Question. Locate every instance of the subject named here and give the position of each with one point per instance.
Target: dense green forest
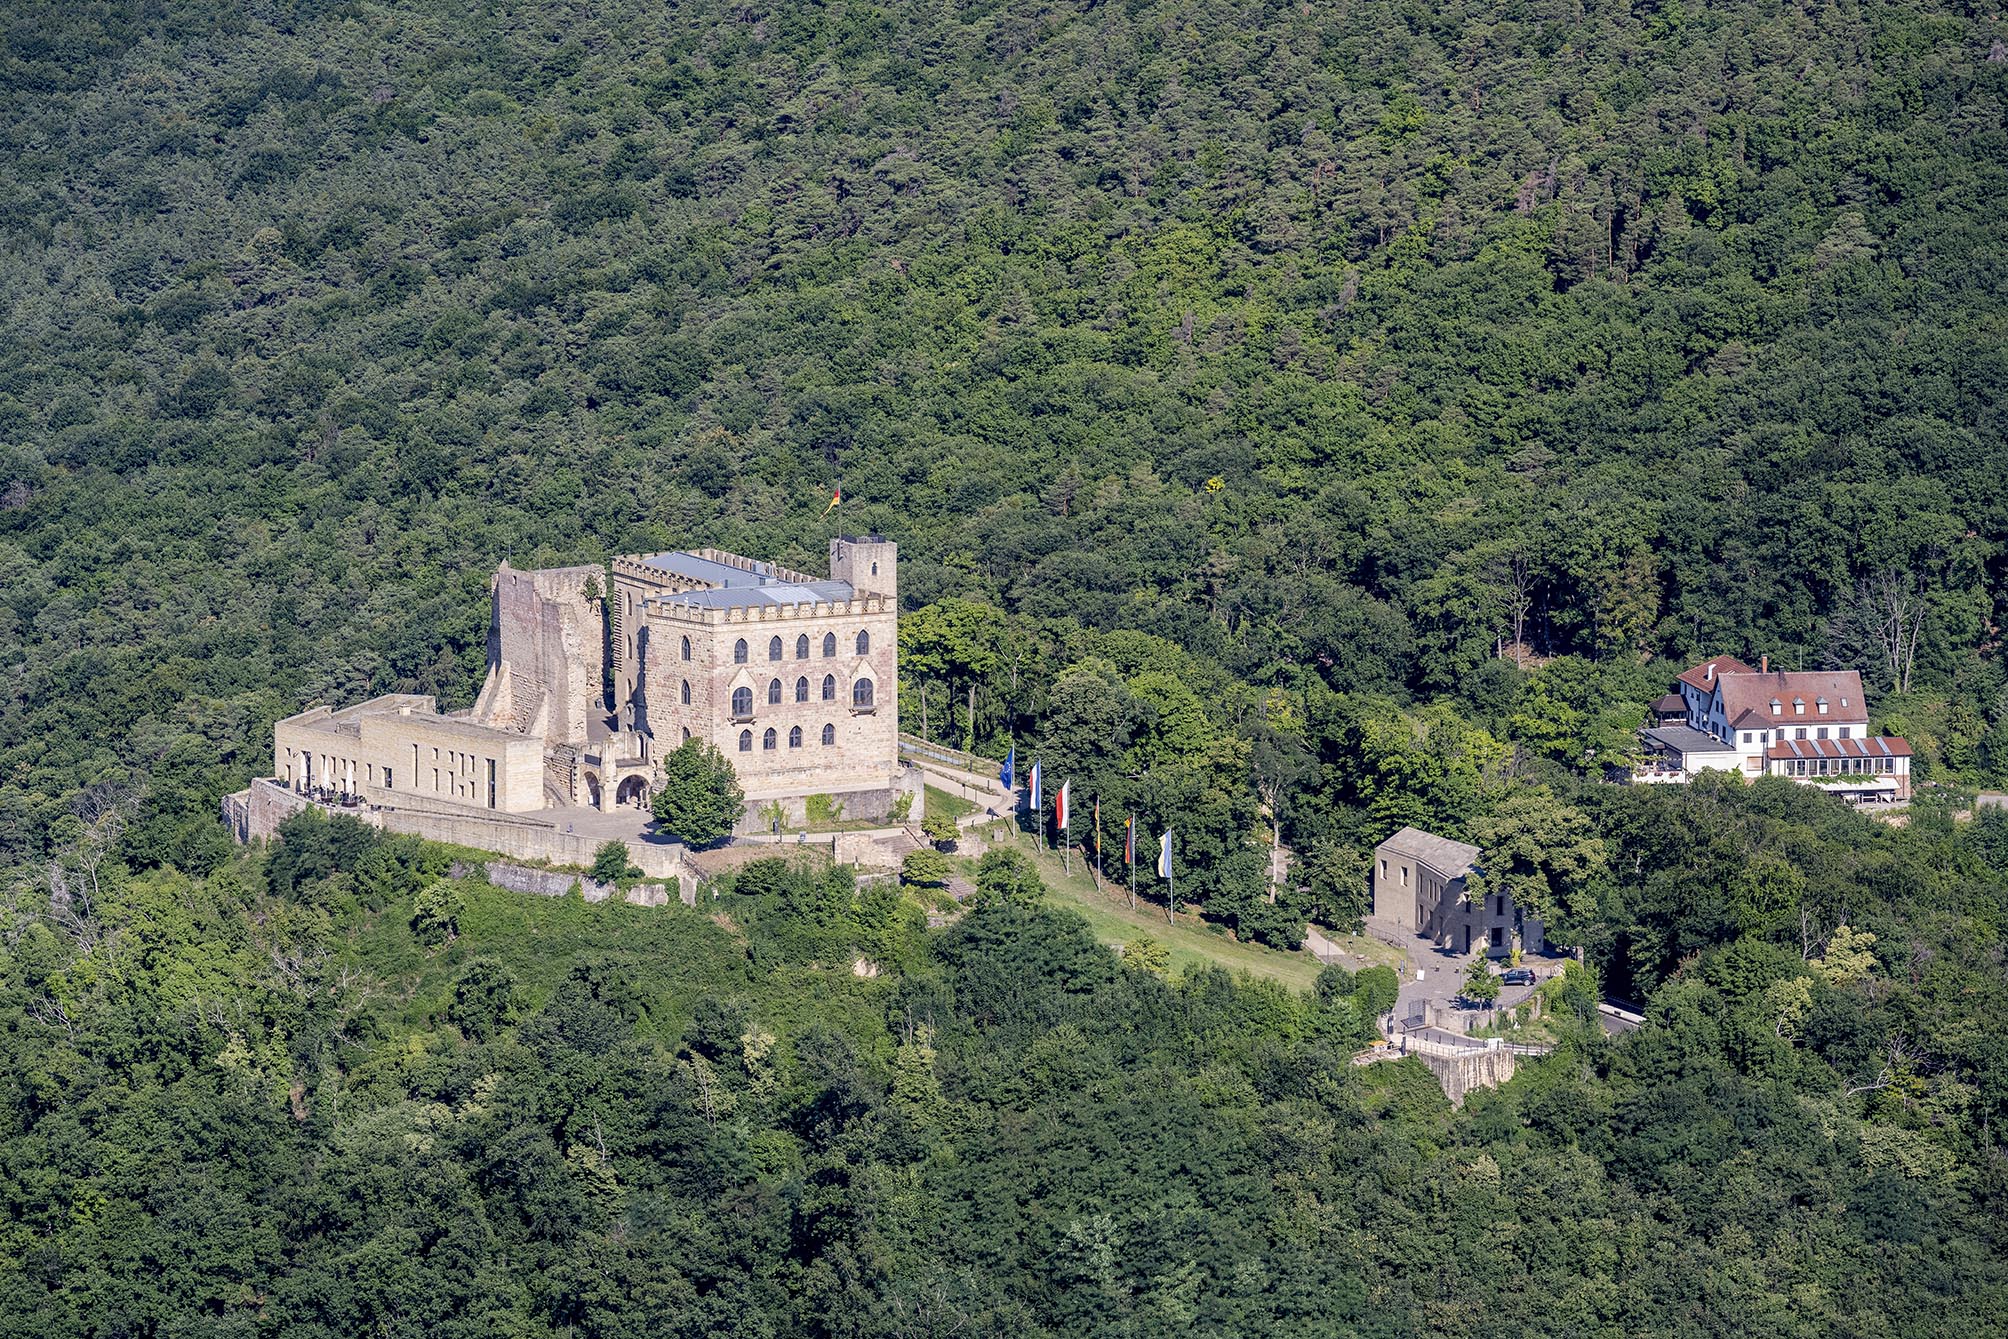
(1297, 420)
(324, 1092)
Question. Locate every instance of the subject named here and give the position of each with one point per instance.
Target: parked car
(1518, 976)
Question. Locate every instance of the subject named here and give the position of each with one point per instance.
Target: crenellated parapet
(680, 611)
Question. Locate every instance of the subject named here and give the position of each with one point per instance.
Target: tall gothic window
(861, 693)
(739, 652)
(773, 692)
(802, 690)
(774, 649)
(864, 643)
(829, 644)
(686, 692)
(794, 736)
(767, 740)
(802, 647)
(829, 734)
(745, 741)
(829, 688)
(742, 702)
(686, 648)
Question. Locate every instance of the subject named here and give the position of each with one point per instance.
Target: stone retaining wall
(254, 814)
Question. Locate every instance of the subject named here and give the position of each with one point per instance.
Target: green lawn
(1107, 911)
(948, 806)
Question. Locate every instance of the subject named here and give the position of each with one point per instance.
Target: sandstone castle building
(793, 677)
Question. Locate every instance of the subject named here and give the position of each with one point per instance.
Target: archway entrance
(592, 790)
(632, 791)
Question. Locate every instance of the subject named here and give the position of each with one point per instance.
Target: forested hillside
(1336, 342)
(1297, 420)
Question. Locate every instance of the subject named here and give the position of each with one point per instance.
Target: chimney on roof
(1764, 664)
(1708, 672)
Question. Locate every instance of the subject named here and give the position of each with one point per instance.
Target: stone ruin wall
(549, 635)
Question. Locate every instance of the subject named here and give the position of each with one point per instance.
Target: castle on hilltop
(793, 677)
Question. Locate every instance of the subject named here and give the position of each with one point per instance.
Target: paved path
(1443, 974)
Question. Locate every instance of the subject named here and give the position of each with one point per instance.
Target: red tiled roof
(1876, 746)
(1723, 665)
(1754, 692)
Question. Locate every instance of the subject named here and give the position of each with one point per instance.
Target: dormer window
(1776, 706)
(1798, 706)
(1823, 706)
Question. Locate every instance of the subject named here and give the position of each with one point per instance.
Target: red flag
(835, 498)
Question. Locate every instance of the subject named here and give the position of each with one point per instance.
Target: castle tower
(870, 563)
(546, 653)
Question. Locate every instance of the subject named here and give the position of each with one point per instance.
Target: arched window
(802, 647)
(774, 649)
(802, 690)
(739, 652)
(861, 693)
(829, 734)
(745, 741)
(686, 734)
(686, 648)
(829, 644)
(686, 692)
(829, 688)
(767, 740)
(864, 643)
(794, 736)
(773, 692)
(742, 702)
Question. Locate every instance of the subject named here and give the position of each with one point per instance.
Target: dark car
(1518, 976)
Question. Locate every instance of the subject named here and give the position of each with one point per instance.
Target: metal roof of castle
(710, 570)
(777, 592)
(737, 587)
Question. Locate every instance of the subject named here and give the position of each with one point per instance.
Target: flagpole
(1098, 843)
(1063, 819)
(1129, 855)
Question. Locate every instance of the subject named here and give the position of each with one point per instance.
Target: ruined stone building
(793, 677)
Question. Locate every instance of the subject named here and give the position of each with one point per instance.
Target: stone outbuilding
(1420, 885)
